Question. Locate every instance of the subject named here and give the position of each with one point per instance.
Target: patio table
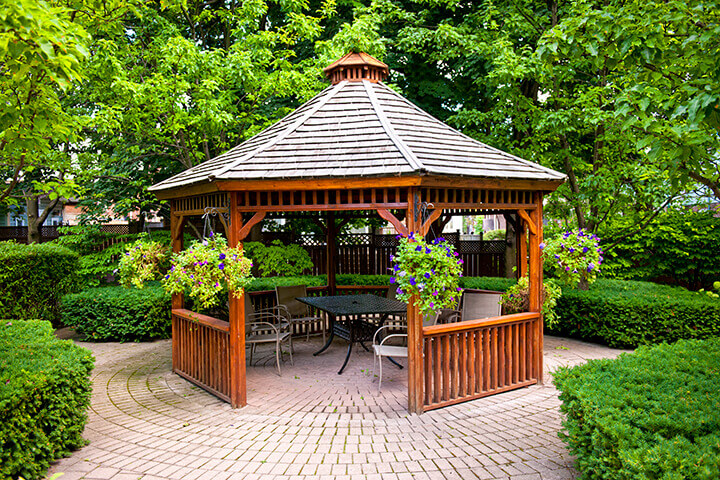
(353, 327)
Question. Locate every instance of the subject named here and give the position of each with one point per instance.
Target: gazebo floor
(146, 422)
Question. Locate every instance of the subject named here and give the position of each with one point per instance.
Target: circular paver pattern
(147, 423)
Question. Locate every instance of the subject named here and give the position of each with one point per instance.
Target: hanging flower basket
(206, 268)
(143, 261)
(430, 271)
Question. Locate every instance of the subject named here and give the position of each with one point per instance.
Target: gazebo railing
(472, 359)
(201, 351)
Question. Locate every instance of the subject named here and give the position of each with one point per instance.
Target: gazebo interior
(358, 149)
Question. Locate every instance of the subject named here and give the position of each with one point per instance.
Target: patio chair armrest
(394, 335)
(374, 342)
(265, 325)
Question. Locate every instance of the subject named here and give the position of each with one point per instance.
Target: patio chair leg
(252, 350)
(277, 357)
(380, 377)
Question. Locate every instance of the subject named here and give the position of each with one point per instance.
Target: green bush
(117, 313)
(277, 259)
(678, 247)
(44, 396)
(627, 313)
(33, 278)
(654, 414)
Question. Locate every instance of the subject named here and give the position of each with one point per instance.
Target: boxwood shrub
(44, 397)
(628, 313)
(653, 414)
(33, 278)
(118, 313)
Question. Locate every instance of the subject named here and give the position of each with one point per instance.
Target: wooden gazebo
(357, 148)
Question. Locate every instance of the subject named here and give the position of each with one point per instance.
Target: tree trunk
(35, 218)
(33, 212)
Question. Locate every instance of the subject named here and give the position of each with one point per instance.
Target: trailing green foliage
(44, 396)
(278, 259)
(143, 261)
(117, 313)
(516, 299)
(654, 414)
(429, 273)
(628, 313)
(206, 269)
(680, 247)
(33, 278)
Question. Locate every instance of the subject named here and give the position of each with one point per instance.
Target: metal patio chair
(265, 326)
(481, 305)
(295, 312)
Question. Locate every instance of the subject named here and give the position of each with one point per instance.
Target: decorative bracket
(531, 225)
(245, 230)
(399, 227)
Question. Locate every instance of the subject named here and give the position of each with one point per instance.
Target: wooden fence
(369, 254)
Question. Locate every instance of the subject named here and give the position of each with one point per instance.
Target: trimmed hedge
(627, 314)
(44, 397)
(654, 414)
(33, 278)
(119, 314)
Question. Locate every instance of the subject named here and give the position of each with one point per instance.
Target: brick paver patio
(147, 423)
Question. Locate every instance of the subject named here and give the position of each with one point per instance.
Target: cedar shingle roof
(359, 129)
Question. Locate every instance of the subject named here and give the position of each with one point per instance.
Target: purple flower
(167, 277)
(221, 256)
(590, 267)
(461, 261)
(399, 291)
(542, 245)
(567, 269)
(456, 254)
(217, 285)
(411, 280)
(572, 250)
(459, 289)
(392, 280)
(585, 249)
(557, 257)
(435, 293)
(211, 234)
(418, 248)
(432, 305)
(427, 250)
(221, 266)
(427, 275)
(403, 273)
(396, 268)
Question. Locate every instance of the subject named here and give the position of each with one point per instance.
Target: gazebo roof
(359, 128)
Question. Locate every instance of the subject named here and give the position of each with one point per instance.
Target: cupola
(356, 67)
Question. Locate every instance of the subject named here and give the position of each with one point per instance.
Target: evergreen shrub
(33, 278)
(629, 313)
(653, 414)
(118, 313)
(44, 397)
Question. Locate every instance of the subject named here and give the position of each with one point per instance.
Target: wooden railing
(201, 351)
(476, 358)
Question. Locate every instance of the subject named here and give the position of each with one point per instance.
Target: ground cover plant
(118, 313)
(33, 278)
(44, 397)
(653, 414)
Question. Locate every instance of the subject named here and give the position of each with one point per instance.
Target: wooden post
(331, 235)
(536, 278)
(414, 322)
(522, 249)
(238, 387)
(176, 231)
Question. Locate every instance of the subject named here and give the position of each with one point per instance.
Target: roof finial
(355, 67)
